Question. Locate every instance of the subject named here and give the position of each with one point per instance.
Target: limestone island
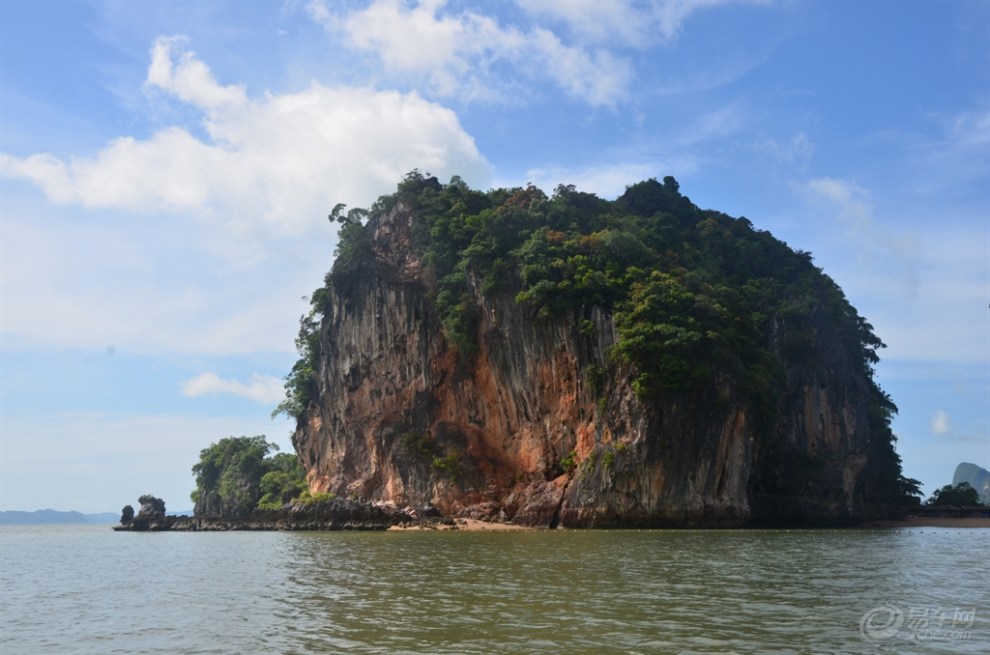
(569, 361)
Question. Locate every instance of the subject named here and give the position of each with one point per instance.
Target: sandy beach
(468, 525)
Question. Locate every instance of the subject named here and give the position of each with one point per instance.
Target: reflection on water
(80, 590)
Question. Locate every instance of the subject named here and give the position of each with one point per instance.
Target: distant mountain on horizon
(977, 477)
(52, 517)
(43, 516)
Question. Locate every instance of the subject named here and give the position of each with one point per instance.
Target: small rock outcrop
(151, 517)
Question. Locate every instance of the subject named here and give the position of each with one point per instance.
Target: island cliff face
(538, 421)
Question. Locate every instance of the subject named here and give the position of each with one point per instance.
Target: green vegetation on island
(960, 495)
(238, 475)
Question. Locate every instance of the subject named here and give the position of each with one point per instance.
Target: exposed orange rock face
(520, 430)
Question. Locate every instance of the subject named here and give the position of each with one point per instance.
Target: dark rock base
(334, 515)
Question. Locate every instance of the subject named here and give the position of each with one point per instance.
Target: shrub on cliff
(284, 481)
(300, 383)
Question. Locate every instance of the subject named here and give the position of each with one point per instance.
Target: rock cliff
(538, 420)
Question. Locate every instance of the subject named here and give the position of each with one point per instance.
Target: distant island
(56, 517)
(51, 516)
(976, 477)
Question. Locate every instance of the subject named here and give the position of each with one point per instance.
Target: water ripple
(82, 590)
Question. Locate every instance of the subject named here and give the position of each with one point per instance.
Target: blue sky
(167, 170)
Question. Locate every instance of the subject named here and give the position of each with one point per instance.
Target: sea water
(85, 589)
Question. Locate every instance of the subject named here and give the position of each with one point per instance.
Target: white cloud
(189, 79)
(173, 250)
(855, 210)
(597, 76)
(957, 154)
(605, 181)
(415, 38)
(320, 13)
(848, 195)
(597, 22)
(620, 22)
(712, 125)
(796, 150)
(263, 389)
(456, 53)
(940, 423)
(968, 131)
(278, 162)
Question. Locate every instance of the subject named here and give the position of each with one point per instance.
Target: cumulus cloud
(416, 38)
(941, 426)
(263, 389)
(940, 423)
(277, 162)
(849, 196)
(176, 254)
(458, 52)
(175, 69)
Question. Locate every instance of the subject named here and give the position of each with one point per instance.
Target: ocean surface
(80, 589)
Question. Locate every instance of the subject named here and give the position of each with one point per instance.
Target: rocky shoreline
(337, 514)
